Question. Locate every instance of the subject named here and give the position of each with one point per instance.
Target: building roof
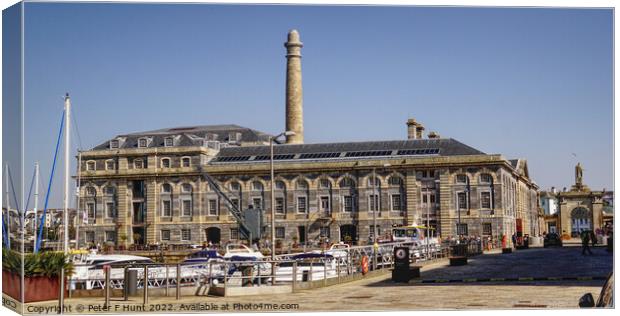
(190, 136)
(349, 150)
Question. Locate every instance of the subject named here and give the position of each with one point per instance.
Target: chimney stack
(294, 91)
(414, 129)
(433, 135)
(411, 128)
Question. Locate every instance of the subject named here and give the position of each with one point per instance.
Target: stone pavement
(379, 293)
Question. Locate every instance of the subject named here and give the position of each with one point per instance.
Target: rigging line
(30, 193)
(13, 189)
(49, 186)
(76, 129)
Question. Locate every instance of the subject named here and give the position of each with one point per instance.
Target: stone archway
(348, 233)
(581, 219)
(213, 235)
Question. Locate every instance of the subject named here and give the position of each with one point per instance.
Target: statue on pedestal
(578, 174)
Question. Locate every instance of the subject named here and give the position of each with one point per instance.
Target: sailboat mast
(8, 206)
(67, 147)
(36, 201)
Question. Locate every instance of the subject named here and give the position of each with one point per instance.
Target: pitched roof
(189, 136)
(416, 147)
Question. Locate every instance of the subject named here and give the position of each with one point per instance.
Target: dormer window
(185, 162)
(114, 144)
(168, 142)
(90, 166)
(142, 142)
(234, 137)
(165, 162)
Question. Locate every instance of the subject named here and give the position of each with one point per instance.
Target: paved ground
(379, 293)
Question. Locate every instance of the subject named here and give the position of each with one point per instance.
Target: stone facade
(315, 200)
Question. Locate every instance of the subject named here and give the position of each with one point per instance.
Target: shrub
(47, 263)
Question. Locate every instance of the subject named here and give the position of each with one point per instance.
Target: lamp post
(273, 197)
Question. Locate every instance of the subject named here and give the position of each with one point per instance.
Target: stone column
(294, 91)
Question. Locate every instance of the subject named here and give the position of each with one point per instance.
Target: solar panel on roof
(368, 153)
(410, 152)
(318, 155)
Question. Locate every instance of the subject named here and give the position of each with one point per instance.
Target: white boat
(311, 266)
(89, 271)
(236, 257)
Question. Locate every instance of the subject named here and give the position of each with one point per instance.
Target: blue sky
(528, 83)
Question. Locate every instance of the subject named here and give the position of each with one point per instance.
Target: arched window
(486, 178)
(109, 190)
(302, 184)
(90, 191)
(325, 184)
(166, 188)
(257, 186)
(235, 186)
(462, 179)
(280, 185)
(374, 181)
(186, 188)
(346, 183)
(395, 181)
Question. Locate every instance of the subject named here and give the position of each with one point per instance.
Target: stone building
(580, 208)
(147, 187)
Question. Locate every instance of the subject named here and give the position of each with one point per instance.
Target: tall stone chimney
(412, 126)
(294, 91)
(419, 130)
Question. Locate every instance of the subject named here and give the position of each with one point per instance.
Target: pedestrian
(514, 240)
(593, 237)
(585, 242)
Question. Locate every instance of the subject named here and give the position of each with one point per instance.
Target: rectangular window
(109, 210)
(165, 163)
(324, 203)
(462, 200)
(302, 204)
(396, 202)
(90, 207)
(166, 209)
(90, 236)
(424, 198)
(110, 236)
(235, 202)
(234, 233)
(165, 234)
(113, 144)
(433, 199)
(373, 202)
(279, 205)
(257, 203)
(486, 229)
(372, 231)
(348, 203)
(185, 162)
(187, 207)
(142, 142)
(186, 234)
(485, 200)
(461, 229)
(325, 233)
(461, 178)
(213, 207)
(90, 166)
(109, 165)
(280, 232)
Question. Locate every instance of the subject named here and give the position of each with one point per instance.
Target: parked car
(605, 299)
(552, 240)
